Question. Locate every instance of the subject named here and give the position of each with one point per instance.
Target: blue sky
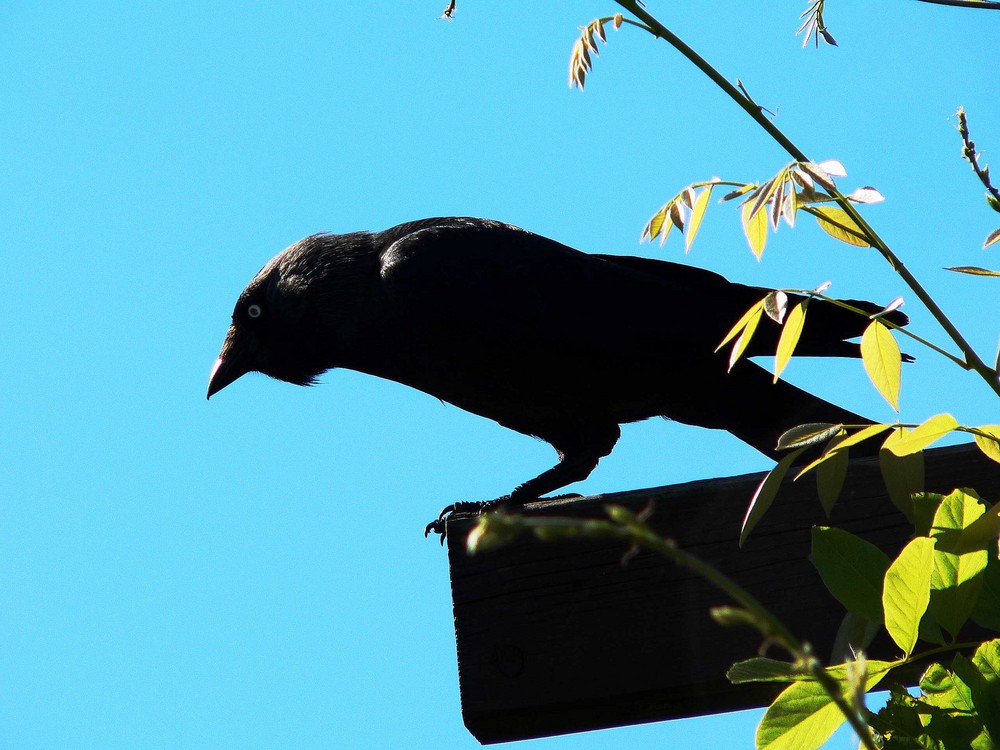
(251, 572)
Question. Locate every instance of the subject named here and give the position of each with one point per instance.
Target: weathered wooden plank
(561, 637)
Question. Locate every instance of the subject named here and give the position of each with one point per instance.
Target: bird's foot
(466, 507)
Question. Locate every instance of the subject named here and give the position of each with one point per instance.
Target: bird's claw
(465, 507)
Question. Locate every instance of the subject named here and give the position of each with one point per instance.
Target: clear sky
(251, 572)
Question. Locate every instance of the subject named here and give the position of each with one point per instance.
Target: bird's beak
(230, 365)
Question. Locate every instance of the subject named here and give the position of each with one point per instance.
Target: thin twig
(974, 361)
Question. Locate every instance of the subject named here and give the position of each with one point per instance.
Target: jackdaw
(543, 339)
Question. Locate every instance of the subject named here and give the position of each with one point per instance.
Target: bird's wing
(507, 284)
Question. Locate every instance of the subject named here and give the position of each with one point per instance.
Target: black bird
(541, 338)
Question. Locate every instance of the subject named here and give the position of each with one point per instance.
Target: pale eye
(254, 311)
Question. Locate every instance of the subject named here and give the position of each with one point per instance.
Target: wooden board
(562, 637)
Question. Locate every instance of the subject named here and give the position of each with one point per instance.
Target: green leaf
(658, 225)
(920, 437)
(907, 592)
(830, 476)
(973, 270)
(982, 675)
(762, 669)
(802, 718)
(987, 610)
(804, 435)
(989, 443)
(790, 333)
(697, 214)
(903, 475)
(942, 689)
(982, 532)
(755, 229)
(741, 344)
(862, 435)
(852, 569)
(925, 505)
(957, 577)
(841, 446)
(837, 223)
(754, 312)
(883, 361)
(765, 494)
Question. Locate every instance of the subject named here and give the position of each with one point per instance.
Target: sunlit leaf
(790, 205)
(992, 238)
(989, 443)
(765, 494)
(790, 333)
(957, 576)
(743, 190)
(833, 167)
(658, 225)
(818, 174)
(676, 214)
(973, 270)
(803, 717)
(778, 202)
(866, 195)
(697, 214)
(883, 361)
(852, 569)
(837, 223)
(776, 306)
(920, 437)
(903, 475)
(804, 435)
(762, 669)
(906, 592)
(894, 305)
(755, 229)
(741, 343)
(754, 311)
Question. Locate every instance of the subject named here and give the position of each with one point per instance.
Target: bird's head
(273, 330)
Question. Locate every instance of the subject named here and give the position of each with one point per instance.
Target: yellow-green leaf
(907, 592)
(830, 476)
(973, 270)
(958, 572)
(852, 568)
(697, 214)
(804, 435)
(765, 494)
(741, 344)
(989, 443)
(790, 333)
(923, 435)
(883, 361)
(803, 717)
(838, 224)
(903, 475)
(655, 225)
(842, 445)
(755, 228)
(992, 238)
(754, 312)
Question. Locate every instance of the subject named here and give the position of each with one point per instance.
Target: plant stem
(972, 359)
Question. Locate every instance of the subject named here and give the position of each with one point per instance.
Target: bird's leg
(577, 458)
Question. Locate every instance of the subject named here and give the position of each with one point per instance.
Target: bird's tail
(749, 405)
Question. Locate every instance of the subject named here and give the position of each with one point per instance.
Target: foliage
(949, 572)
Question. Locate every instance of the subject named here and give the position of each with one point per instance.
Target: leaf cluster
(946, 575)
